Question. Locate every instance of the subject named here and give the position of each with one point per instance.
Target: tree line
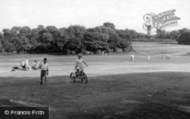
(184, 37)
(71, 40)
(160, 35)
(75, 39)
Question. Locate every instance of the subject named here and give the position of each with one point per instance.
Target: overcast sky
(89, 13)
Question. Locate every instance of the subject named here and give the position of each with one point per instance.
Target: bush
(9, 47)
(184, 38)
(83, 50)
(99, 52)
(68, 51)
(111, 51)
(91, 53)
(75, 38)
(87, 53)
(126, 50)
(119, 50)
(73, 53)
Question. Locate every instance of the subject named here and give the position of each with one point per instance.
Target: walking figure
(132, 57)
(44, 71)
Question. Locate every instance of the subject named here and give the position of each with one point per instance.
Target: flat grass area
(108, 64)
(129, 96)
(160, 48)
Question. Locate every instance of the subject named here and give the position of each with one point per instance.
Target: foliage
(109, 25)
(184, 38)
(161, 36)
(76, 38)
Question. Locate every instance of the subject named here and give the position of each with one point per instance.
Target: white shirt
(27, 63)
(79, 63)
(44, 66)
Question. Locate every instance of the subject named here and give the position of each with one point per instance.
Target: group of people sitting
(43, 65)
(25, 66)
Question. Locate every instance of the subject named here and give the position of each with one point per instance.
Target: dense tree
(15, 29)
(132, 33)
(1, 42)
(114, 39)
(10, 37)
(124, 34)
(109, 25)
(25, 38)
(8, 47)
(96, 39)
(181, 31)
(174, 34)
(61, 39)
(162, 34)
(184, 38)
(34, 38)
(40, 27)
(75, 38)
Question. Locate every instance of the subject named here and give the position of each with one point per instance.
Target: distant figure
(148, 57)
(132, 57)
(36, 65)
(44, 71)
(165, 56)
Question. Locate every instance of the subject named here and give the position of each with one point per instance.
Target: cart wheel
(72, 76)
(84, 78)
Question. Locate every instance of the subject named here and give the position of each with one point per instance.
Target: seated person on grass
(24, 66)
(36, 65)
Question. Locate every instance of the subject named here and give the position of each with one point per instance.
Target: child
(78, 63)
(44, 70)
(132, 57)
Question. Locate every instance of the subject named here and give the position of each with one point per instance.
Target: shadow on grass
(142, 111)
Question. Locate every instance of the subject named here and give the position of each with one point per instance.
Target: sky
(89, 13)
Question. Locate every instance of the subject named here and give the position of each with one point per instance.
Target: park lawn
(160, 95)
(128, 96)
(154, 48)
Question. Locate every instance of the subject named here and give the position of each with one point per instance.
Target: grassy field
(129, 96)
(118, 88)
(160, 48)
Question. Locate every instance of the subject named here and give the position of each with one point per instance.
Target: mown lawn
(129, 96)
